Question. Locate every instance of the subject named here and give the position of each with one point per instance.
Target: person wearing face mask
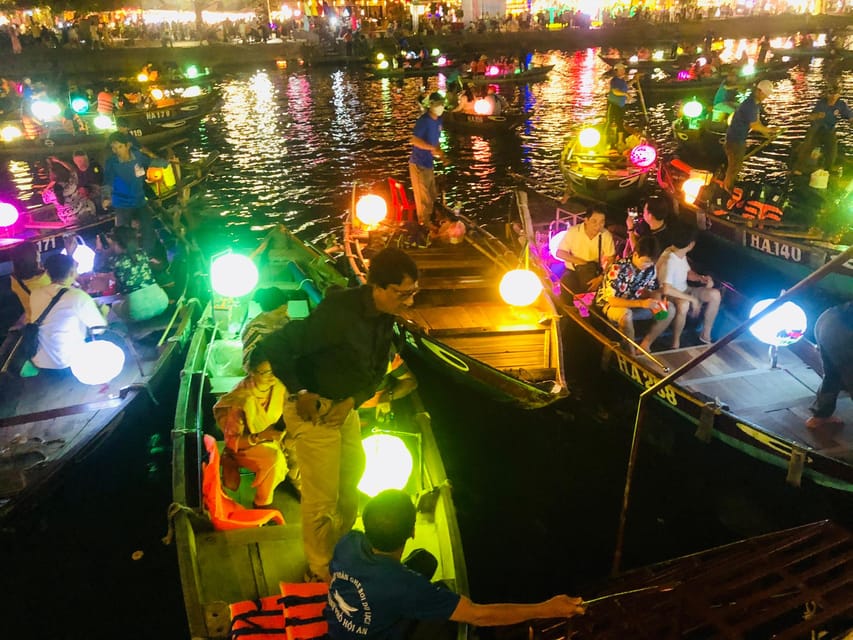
(425, 148)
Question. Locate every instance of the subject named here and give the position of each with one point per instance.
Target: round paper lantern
(370, 209)
(10, 133)
(84, 256)
(103, 122)
(554, 242)
(8, 214)
(643, 156)
(482, 107)
(690, 188)
(233, 275)
(589, 138)
(97, 362)
(388, 464)
(79, 105)
(692, 109)
(520, 287)
(781, 327)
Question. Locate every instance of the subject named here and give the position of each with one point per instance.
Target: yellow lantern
(370, 210)
(520, 287)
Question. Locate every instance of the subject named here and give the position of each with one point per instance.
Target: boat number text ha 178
(644, 378)
(773, 247)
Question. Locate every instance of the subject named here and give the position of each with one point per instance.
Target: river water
(538, 493)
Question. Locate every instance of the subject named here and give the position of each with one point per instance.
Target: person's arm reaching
(493, 615)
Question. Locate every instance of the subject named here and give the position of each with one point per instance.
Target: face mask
(437, 111)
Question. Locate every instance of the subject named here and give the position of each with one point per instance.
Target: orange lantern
(154, 174)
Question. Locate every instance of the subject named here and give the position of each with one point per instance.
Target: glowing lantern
(84, 256)
(383, 64)
(233, 275)
(80, 105)
(690, 188)
(388, 464)
(8, 214)
(10, 133)
(520, 287)
(45, 110)
(103, 122)
(748, 69)
(702, 62)
(154, 174)
(370, 210)
(192, 72)
(658, 55)
(435, 53)
(442, 61)
(493, 71)
(643, 156)
(142, 77)
(192, 92)
(684, 75)
(482, 107)
(692, 109)
(380, 56)
(781, 327)
(554, 242)
(281, 64)
(97, 362)
(633, 59)
(589, 138)
(157, 94)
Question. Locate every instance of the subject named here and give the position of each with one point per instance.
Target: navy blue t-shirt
(831, 114)
(373, 596)
(620, 84)
(427, 129)
(746, 114)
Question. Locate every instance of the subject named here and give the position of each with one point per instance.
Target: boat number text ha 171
(644, 378)
(773, 247)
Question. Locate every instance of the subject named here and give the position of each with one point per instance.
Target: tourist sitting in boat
(465, 103)
(377, 594)
(745, 119)
(72, 206)
(655, 222)
(273, 316)
(834, 336)
(497, 102)
(90, 177)
(65, 328)
(725, 100)
(27, 275)
(630, 291)
(142, 298)
(250, 417)
(587, 250)
(479, 66)
(674, 274)
(821, 134)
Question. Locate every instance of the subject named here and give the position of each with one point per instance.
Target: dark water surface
(538, 493)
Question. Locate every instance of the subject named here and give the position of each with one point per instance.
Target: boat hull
(534, 74)
(604, 179)
(483, 125)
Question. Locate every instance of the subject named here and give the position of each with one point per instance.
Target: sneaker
(815, 422)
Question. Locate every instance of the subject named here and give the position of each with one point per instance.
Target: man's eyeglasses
(403, 294)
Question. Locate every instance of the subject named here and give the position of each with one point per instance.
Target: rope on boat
(174, 509)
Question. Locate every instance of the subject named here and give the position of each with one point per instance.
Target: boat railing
(838, 264)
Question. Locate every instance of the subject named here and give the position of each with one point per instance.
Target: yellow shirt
(36, 282)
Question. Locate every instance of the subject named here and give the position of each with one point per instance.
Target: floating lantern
(690, 188)
(8, 214)
(692, 109)
(233, 275)
(104, 122)
(370, 210)
(97, 362)
(281, 64)
(79, 105)
(520, 287)
(192, 92)
(435, 53)
(482, 107)
(554, 242)
(44, 110)
(388, 464)
(643, 156)
(192, 72)
(589, 138)
(10, 133)
(781, 327)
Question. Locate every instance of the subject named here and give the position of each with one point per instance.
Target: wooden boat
(794, 229)
(150, 126)
(460, 325)
(602, 174)
(735, 395)
(40, 224)
(799, 54)
(48, 422)
(679, 85)
(788, 584)
(476, 124)
(222, 567)
(408, 71)
(535, 73)
(632, 62)
(702, 139)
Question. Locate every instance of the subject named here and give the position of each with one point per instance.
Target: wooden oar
(642, 98)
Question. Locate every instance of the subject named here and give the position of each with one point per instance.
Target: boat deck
(778, 399)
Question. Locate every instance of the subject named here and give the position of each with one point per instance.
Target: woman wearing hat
(826, 113)
(744, 120)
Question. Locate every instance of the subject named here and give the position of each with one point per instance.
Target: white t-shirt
(64, 328)
(580, 245)
(672, 269)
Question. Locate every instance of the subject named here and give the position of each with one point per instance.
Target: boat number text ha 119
(773, 247)
(644, 378)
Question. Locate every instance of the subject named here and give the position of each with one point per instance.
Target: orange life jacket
(257, 619)
(105, 103)
(224, 512)
(303, 604)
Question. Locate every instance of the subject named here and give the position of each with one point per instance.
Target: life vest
(303, 604)
(105, 103)
(257, 619)
(225, 513)
(33, 130)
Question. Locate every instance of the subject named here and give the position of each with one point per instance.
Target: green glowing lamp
(192, 72)
(589, 138)
(233, 275)
(435, 53)
(520, 287)
(97, 362)
(371, 210)
(388, 466)
(692, 108)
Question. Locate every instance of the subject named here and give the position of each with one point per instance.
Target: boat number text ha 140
(772, 247)
(644, 378)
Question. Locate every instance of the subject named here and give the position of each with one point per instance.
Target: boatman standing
(744, 120)
(425, 148)
(827, 112)
(617, 96)
(834, 335)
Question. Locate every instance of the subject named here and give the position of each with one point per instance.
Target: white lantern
(97, 362)
(388, 464)
(520, 287)
(781, 327)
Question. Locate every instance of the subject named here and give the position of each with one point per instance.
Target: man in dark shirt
(331, 362)
(827, 112)
(374, 595)
(657, 221)
(745, 119)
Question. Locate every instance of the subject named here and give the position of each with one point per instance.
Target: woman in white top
(674, 272)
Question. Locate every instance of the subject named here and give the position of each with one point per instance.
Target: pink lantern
(8, 214)
(643, 156)
(493, 71)
(684, 75)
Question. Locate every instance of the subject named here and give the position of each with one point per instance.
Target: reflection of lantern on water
(684, 75)
(782, 327)
(482, 107)
(520, 287)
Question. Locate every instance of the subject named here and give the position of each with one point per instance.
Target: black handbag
(28, 343)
